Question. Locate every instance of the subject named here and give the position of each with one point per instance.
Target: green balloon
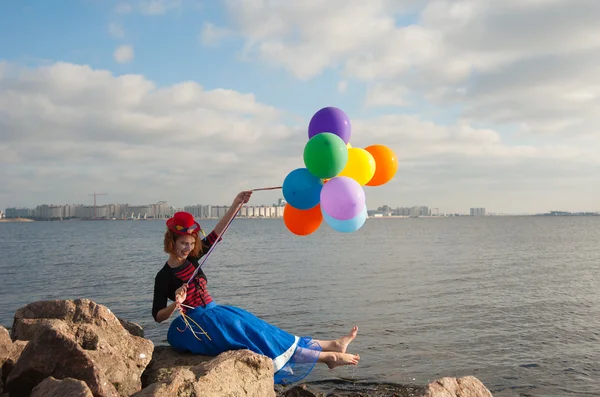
(325, 155)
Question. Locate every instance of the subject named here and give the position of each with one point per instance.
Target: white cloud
(68, 130)
(116, 30)
(149, 7)
(523, 63)
(342, 86)
(386, 95)
(212, 35)
(158, 7)
(123, 54)
(123, 8)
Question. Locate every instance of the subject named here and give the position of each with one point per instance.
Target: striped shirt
(169, 279)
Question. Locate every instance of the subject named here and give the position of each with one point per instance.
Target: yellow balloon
(348, 145)
(360, 166)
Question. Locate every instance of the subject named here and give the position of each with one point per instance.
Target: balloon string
(267, 188)
(212, 247)
(187, 319)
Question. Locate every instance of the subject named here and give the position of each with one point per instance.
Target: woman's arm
(166, 312)
(240, 199)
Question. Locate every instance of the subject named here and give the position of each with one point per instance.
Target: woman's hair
(171, 238)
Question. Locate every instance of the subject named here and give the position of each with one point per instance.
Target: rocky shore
(79, 348)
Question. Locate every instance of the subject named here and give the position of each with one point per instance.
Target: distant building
(477, 212)
(19, 213)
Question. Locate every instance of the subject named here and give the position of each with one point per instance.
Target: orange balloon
(386, 164)
(302, 222)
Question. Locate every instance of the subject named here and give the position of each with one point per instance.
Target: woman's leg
(334, 359)
(339, 345)
(304, 355)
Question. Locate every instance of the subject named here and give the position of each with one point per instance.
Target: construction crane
(96, 194)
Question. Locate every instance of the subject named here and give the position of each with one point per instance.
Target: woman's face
(184, 245)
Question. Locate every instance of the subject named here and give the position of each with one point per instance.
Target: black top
(169, 279)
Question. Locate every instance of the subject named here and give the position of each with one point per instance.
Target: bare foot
(335, 359)
(342, 343)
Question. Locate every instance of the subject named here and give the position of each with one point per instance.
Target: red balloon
(302, 222)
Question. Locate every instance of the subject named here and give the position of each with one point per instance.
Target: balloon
(325, 155)
(342, 198)
(386, 164)
(360, 166)
(332, 120)
(348, 145)
(347, 226)
(301, 189)
(302, 222)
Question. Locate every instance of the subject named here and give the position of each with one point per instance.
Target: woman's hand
(181, 294)
(242, 198)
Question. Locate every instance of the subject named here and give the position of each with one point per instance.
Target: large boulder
(77, 339)
(233, 373)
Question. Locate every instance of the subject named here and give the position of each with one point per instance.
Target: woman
(212, 329)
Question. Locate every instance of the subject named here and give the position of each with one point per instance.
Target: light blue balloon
(301, 189)
(349, 225)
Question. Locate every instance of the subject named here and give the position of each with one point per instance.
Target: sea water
(514, 301)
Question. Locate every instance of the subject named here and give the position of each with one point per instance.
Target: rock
(300, 391)
(51, 387)
(233, 373)
(15, 352)
(468, 386)
(5, 349)
(79, 348)
(133, 328)
(344, 388)
(165, 360)
(77, 339)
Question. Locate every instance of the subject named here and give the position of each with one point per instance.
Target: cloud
(116, 30)
(67, 130)
(123, 8)
(524, 64)
(212, 35)
(124, 54)
(386, 95)
(342, 86)
(149, 7)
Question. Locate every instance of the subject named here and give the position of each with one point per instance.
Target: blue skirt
(232, 328)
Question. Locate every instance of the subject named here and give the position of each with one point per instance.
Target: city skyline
(163, 209)
(163, 100)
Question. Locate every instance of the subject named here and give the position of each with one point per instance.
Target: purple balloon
(330, 119)
(342, 198)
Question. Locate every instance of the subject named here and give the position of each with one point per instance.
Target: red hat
(183, 223)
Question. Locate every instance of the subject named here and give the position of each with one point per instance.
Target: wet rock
(343, 388)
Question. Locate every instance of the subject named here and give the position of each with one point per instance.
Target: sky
(485, 103)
